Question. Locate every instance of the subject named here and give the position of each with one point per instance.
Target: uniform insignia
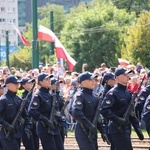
(142, 98)
(35, 103)
(10, 104)
(78, 103)
(110, 93)
(108, 102)
(148, 107)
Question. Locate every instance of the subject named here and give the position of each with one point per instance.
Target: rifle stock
(19, 113)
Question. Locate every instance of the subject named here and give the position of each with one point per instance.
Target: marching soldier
(59, 106)
(10, 135)
(41, 109)
(30, 139)
(114, 107)
(83, 110)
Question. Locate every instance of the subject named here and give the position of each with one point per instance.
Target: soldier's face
(123, 79)
(90, 84)
(46, 83)
(13, 87)
(28, 86)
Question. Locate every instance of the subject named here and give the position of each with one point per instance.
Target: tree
(137, 6)
(137, 44)
(21, 58)
(93, 36)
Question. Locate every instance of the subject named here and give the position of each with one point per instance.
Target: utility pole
(7, 49)
(52, 29)
(35, 44)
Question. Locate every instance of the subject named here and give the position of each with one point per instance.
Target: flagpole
(35, 44)
(7, 49)
(52, 29)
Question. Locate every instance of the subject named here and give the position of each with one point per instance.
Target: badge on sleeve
(142, 98)
(148, 107)
(78, 103)
(110, 93)
(35, 103)
(36, 95)
(78, 94)
(108, 102)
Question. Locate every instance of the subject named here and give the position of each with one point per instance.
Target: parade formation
(41, 105)
(96, 87)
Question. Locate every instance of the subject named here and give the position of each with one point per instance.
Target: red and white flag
(47, 35)
(62, 53)
(123, 62)
(23, 39)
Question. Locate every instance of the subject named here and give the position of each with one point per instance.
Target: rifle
(131, 105)
(20, 111)
(67, 102)
(52, 113)
(94, 121)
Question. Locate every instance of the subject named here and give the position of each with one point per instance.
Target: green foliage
(93, 36)
(137, 6)
(21, 58)
(137, 44)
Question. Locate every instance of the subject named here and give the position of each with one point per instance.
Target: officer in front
(114, 107)
(9, 106)
(40, 109)
(83, 110)
(146, 115)
(29, 138)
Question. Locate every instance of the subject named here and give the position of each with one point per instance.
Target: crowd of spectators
(69, 79)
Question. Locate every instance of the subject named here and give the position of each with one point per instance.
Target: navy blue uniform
(9, 105)
(83, 110)
(146, 115)
(113, 108)
(31, 142)
(40, 109)
(142, 96)
(61, 120)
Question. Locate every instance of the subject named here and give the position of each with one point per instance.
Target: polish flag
(60, 50)
(62, 53)
(45, 34)
(23, 39)
(123, 62)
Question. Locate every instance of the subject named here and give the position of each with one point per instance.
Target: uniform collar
(10, 93)
(122, 87)
(89, 91)
(45, 90)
